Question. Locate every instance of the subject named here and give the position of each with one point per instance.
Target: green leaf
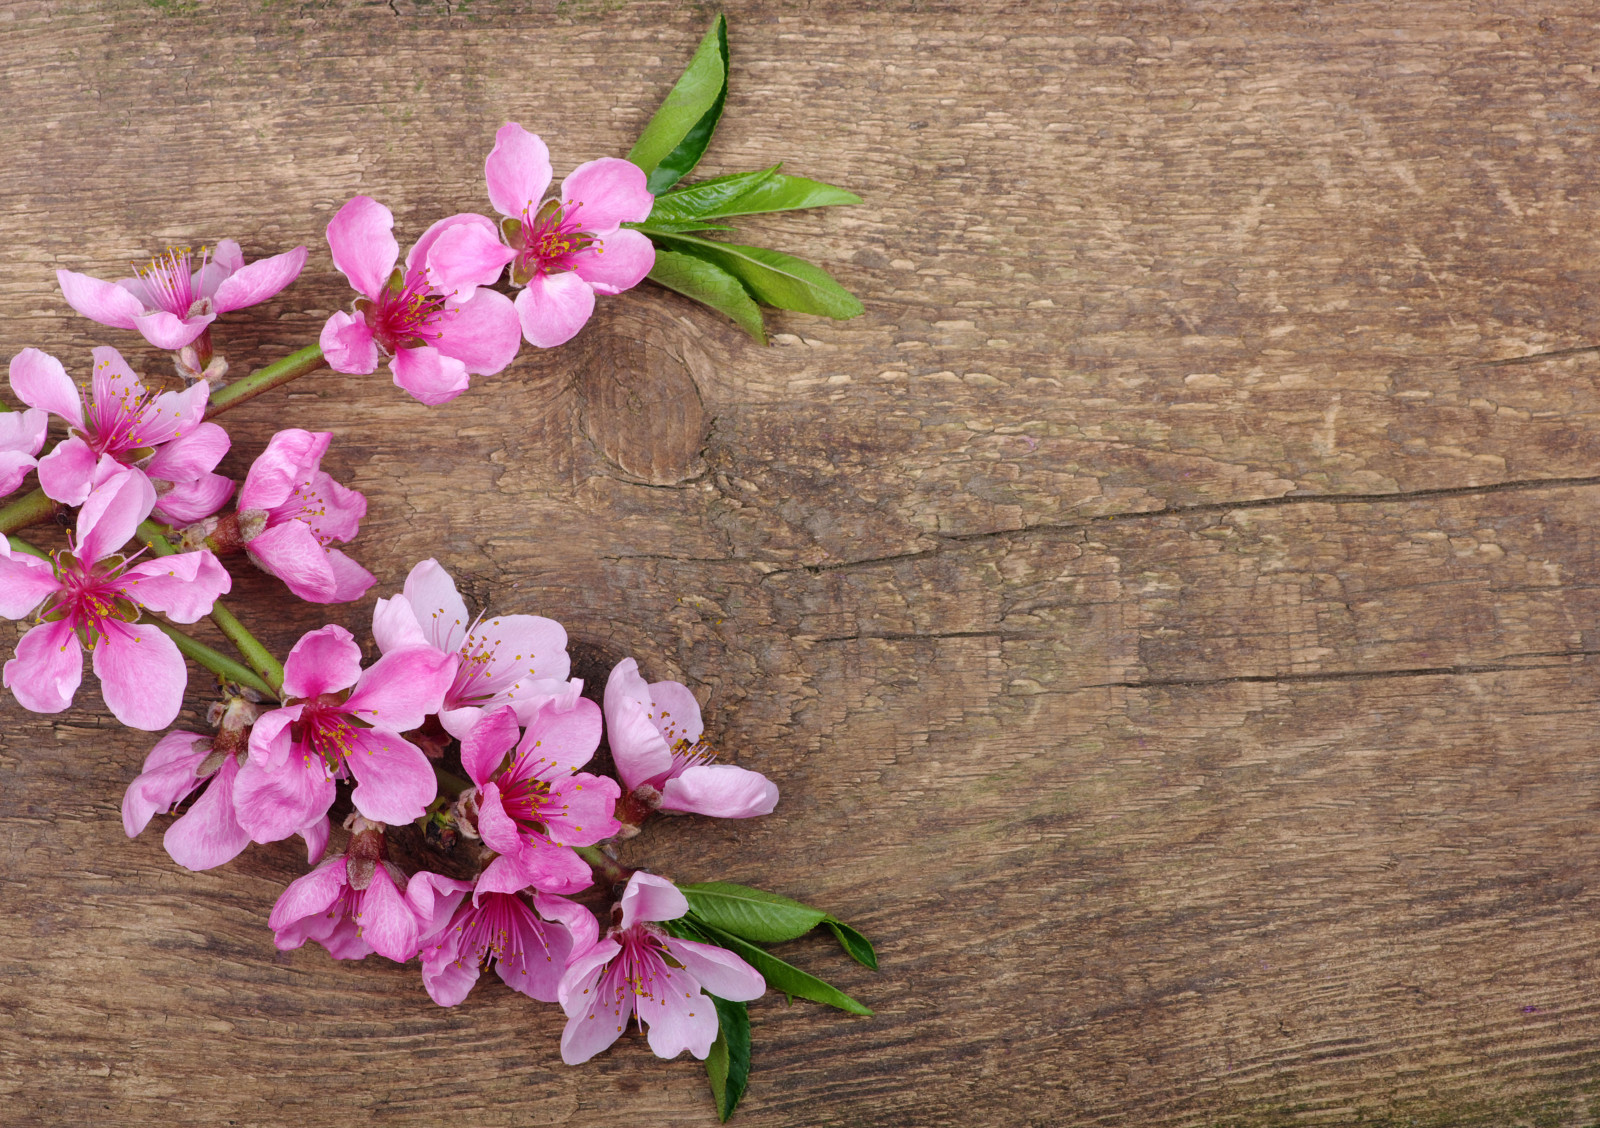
(710, 285)
(773, 277)
(753, 914)
(787, 193)
(728, 1064)
(780, 976)
(676, 227)
(708, 197)
(678, 134)
(856, 945)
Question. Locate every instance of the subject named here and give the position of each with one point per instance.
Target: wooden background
(1169, 612)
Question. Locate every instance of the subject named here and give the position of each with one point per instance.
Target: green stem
(35, 508)
(219, 664)
(280, 372)
(606, 868)
(258, 657)
(20, 545)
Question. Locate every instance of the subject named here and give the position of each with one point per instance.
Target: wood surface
(1169, 612)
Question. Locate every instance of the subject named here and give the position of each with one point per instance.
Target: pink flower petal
(350, 580)
(517, 170)
(595, 1017)
(168, 777)
(401, 688)
(291, 457)
(649, 897)
(98, 300)
(361, 237)
(323, 661)
(111, 514)
(439, 607)
(676, 712)
(48, 668)
(553, 308)
(637, 747)
(272, 803)
(270, 743)
(39, 380)
(309, 896)
(315, 837)
(333, 511)
(394, 782)
(227, 257)
(23, 431)
(465, 256)
(257, 282)
(25, 582)
(495, 827)
(292, 552)
(720, 790)
(485, 747)
(169, 331)
(718, 970)
(14, 467)
(208, 834)
(395, 626)
(680, 1017)
(552, 869)
(183, 586)
(142, 674)
(448, 979)
(585, 815)
(565, 738)
(66, 474)
(433, 898)
(429, 375)
(193, 501)
(619, 263)
(605, 193)
(483, 333)
(577, 920)
(386, 921)
(535, 957)
(187, 457)
(348, 344)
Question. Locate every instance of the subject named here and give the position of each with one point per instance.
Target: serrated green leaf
(728, 1064)
(710, 285)
(780, 976)
(707, 197)
(857, 946)
(752, 914)
(774, 278)
(677, 136)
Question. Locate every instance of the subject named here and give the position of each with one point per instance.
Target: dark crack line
(1343, 675)
(1536, 357)
(910, 636)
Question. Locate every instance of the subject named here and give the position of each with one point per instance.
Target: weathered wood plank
(1172, 793)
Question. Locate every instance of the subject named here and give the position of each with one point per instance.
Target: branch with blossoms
(465, 743)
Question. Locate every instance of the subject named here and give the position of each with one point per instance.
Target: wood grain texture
(1167, 612)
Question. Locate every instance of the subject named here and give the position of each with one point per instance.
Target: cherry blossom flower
(639, 971)
(562, 252)
(655, 734)
(534, 807)
(435, 338)
(529, 947)
(160, 435)
(352, 905)
(207, 834)
(290, 510)
(177, 297)
(339, 721)
(515, 660)
(93, 597)
(21, 438)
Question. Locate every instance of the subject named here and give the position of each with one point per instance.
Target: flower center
(119, 418)
(89, 598)
(497, 928)
(325, 732)
(169, 280)
(549, 241)
(525, 800)
(407, 314)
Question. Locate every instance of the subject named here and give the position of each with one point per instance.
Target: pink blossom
(528, 946)
(337, 722)
(93, 597)
(207, 834)
(290, 510)
(516, 660)
(435, 337)
(563, 251)
(176, 298)
(21, 438)
(640, 971)
(534, 806)
(655, 734)
(160, 435)
(352, 905)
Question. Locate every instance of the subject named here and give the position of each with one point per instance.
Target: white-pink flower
(339, 721)
(435, 337)
(562, 251)
(177, 297)
(533, 805)
(654, 730)
(21, 438)
(352, 905)
(640, 971)
(515, 660)
(528, 945)
(291, 510)
(93, 596)
(160, 435)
